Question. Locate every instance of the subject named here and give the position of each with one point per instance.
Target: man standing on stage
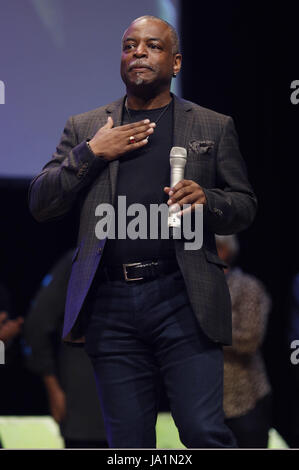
(148, 306)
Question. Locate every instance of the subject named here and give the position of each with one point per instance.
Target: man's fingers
(142, 135)
(137, 145)
(181, 193)
(143, 130)
(139, 133)
(109, 123)
(181, 184)
(138, 130)
(135, 125)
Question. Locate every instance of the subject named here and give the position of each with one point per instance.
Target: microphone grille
(178, 152)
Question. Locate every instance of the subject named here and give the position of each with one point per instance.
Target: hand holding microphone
(181, 191)
(178, 158)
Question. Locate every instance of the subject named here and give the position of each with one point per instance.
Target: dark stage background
(239, 58)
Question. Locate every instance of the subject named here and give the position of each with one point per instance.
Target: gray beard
(139, 80)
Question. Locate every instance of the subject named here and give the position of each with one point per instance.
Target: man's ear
(177, 63)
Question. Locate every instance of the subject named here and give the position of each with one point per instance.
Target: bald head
(172, 32)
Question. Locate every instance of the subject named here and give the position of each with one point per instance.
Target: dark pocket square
(201, 146)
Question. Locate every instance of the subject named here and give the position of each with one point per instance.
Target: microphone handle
(177, 174)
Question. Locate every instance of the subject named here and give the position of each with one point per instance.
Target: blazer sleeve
(73, 166)
(231, 206)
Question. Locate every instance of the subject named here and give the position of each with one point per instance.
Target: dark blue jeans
(137, 329)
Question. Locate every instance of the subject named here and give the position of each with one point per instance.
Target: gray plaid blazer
(214, 161)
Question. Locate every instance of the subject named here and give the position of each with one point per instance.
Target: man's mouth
(139, 68)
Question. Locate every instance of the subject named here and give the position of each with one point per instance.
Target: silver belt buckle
(126, 274)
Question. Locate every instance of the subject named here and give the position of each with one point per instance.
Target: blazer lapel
(115, 111)
(183, 119)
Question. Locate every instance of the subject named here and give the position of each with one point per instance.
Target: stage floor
(42, 432)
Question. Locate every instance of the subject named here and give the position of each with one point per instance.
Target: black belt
(142, 271)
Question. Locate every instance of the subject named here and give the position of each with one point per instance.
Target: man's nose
(140, 50)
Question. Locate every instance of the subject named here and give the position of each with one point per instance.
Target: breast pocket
(201, 151)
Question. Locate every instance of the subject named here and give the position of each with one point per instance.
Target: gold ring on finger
(132, 139)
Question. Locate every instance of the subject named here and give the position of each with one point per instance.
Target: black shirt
(142, 176)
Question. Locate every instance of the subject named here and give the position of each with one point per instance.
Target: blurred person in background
(292, 336)
(247, 392)
(10, 328)
(66, 370)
